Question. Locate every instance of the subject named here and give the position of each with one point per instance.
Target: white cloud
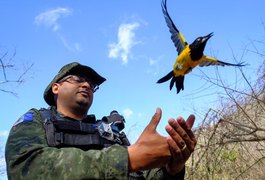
(127, 113)
(50, 18)
(76, 47)
(154, 66)
(126, 40)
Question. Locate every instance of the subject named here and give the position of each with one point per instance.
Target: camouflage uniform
(28, 155)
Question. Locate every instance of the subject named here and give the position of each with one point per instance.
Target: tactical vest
(82, 134)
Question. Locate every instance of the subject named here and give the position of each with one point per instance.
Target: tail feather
(173, 80)
(231, 64)
(166, 77)
(179, 83)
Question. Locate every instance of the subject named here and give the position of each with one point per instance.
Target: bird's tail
(178, 81)
(166, 77)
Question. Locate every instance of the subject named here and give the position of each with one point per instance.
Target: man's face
(74, 92)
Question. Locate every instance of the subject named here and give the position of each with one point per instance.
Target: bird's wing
(177, 38)
(210, 61)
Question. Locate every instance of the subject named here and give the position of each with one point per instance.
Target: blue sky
(127, 42)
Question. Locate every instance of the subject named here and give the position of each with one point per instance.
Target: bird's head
(197, 46)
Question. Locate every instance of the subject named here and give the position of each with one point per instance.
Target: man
(63, 142)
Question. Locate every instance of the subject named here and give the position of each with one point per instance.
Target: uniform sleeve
(161, 174)
(29, 157)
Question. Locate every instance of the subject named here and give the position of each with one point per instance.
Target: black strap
(60, 133)
(78, 127)
(46, 114)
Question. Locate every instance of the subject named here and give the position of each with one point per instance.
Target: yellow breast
(184, 64)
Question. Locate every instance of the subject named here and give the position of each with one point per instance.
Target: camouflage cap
(73, 68)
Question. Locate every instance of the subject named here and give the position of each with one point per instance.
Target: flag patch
(28, 117)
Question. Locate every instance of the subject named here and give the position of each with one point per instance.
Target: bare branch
(7, 65)
(231, 139)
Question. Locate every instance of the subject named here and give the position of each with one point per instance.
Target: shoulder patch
(28, 117)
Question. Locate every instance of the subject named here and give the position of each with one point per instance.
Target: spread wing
(177, 38)
(210, 61)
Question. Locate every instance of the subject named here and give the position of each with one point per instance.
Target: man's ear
(55, 88)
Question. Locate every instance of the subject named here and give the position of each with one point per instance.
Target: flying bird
(189, 55)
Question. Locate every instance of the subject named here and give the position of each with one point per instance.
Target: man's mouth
(84, 93)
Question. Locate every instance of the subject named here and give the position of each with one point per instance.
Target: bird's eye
(198, 39)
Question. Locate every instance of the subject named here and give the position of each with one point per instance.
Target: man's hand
(151, 150)
(182, 142)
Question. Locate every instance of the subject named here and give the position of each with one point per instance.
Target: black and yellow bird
(189, 55)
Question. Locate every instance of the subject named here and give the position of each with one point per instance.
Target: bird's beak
(205, 38)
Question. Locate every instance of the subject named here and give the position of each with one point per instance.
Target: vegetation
(231, 140)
